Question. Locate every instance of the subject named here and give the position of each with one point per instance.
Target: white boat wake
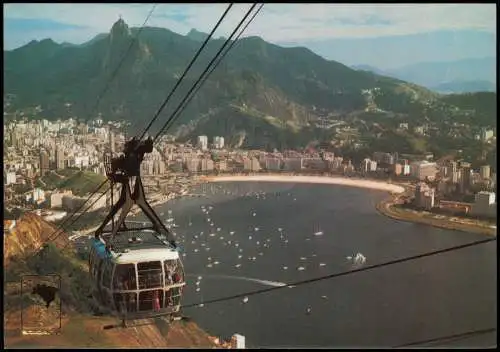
(243, 278)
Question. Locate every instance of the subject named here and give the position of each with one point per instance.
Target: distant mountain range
(468, 75)
(395, 51)
(261, 95)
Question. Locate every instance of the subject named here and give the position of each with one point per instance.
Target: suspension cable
(112, 77)
(344, 273)
(171, 93)
(449, 337)
(162, 106)
(204, 72)
(81, 214)
(59, 228)
(122, 60)
(204, 79)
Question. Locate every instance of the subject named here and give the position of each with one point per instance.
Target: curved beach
(385, 207)
(382, 186)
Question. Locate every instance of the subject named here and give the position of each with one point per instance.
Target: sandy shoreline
(382, 186)
(156, 200)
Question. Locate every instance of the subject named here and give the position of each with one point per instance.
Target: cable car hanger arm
(121, 170)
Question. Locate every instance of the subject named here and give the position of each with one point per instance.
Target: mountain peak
(120, 29)
(196, 35)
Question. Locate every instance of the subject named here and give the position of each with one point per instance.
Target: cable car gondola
(136, 270)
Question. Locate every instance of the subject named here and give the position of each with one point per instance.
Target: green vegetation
(12, 214)
(19, 189)
(82, 183)
(290, 85)
(50, 181)
(68, 172)
(75, 286)
(79, 182)
(482, 107)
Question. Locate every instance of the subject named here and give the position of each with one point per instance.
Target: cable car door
(98, 279)
(106, 283)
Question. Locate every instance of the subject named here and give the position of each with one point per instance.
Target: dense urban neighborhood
(56, 165)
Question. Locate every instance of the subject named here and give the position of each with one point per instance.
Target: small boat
(359, 258)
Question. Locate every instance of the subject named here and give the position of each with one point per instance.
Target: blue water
(431, 297)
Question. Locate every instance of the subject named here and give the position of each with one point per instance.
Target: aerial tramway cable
(59, 230)
(184, 103)
(122, 60)
(106, 87)
(162, 106)
(83, 212)
(344, 273)
(174, 114)
(454, 337)
(187, 99)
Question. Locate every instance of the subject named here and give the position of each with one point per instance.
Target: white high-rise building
(222, 165)
(485, 172)
(247, 164)
(424, 196)
(59, 157)
(218, 142)
(238, 341)
(365, 165)
(273, 164)
(406, 169)
(112, 141)
(484, 204)
(202, 142)
(192, 164)
(38, 195)
(255, 164)
(293, 164)
(207, 165)
(486, 134)
(423, 169)
(10, 177)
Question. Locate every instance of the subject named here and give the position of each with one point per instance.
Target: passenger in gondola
(122, 302)
(131, 283)
(175, 296)
(169, 297)
(176, 278)
(156, 300)
(132, 302)
(169, 277)
(119, 284)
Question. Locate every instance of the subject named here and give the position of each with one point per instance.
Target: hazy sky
(77, 23)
